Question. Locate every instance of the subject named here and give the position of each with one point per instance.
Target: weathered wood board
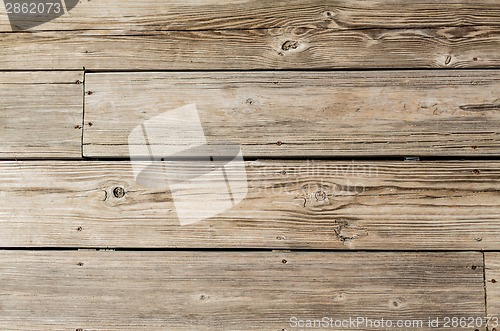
(492, 278)
(235, 34)
(154, 15)
(41, 114)
(277, 48)
(289, 205)
(306, 114)
(83, 290)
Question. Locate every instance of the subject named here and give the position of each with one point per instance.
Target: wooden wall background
(370, 131)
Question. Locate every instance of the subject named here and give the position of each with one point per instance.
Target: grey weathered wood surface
(290, 204)
(299, 204)
(41, 114)
(492, 278)
(211, 34)
(230, 290)
(154, 15)
(277, 48)
(306, 113)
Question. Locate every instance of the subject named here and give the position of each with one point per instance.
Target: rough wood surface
(212, 34)
(153, 15)
(492, 278)
(290, 204)
(231, 290)
(311, 114)
(278, 48)
(41, 114)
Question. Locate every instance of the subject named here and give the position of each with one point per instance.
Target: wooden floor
(370, 132)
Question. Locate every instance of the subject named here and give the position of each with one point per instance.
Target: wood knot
(119, 192)
(320, 195)
(290, 44)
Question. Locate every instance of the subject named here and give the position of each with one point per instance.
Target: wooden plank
(232, 290)
(280, 48)
(492, 278)
(41, 114)
(154, 15)
(289, 205)
(274, 114)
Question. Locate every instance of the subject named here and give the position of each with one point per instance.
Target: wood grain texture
(41, 114)
(231, 290)
(492, 278)
(289, 205)
(153, 15)
(279, 48)
(307, 114)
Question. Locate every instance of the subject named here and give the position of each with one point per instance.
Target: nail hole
(90, 93)
(79, 228)
(476, 172)
(90, 123)
(279, 143)
(473, 267)
(80, 264)
(493, 281)
(284, 261)
(475, 58)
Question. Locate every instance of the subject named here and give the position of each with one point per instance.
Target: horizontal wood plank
(279, 48)
(289, 205)
(308, 114)
(492, 278)
(154, 15)
(41, 114)
(63, 290)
